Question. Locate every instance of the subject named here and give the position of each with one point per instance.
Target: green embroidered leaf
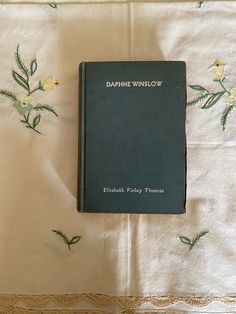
(75, 239)
(200, 3)
(197, 238)
(33, 67)
(62, 235)
(20, 80)
(45, 107)
(194, 241)
(8, 94)
(27, 116)
(198, 99)
(68, 242)
(53, 5)
(185, 240)
(39, 87)
(219, 80)
(20, 63)
(213, 100)
(198, 88)
(36, 120)
(28, 125)
(225, 115)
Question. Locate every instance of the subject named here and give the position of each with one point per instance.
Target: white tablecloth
(118, 255)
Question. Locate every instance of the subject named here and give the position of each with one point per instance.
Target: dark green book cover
(132, 137)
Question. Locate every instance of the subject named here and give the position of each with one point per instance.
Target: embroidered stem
(28, 125)
(34, 90)
(213, 100)
(20, 64)
(41, 107)
(220, 81)
(8, 94)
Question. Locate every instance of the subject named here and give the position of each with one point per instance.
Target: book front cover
(132, 143)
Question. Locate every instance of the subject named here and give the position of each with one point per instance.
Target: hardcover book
(132, 137)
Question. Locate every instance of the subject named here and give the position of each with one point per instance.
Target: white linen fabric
(119, 255)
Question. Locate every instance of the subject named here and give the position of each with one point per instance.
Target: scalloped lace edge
(124, 302)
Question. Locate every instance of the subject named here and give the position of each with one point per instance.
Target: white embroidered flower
(50, 84)
(218, 68)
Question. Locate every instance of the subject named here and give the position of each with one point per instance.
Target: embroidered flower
(26, 100)
(231, 99)
(50, 84)
(232, 91)
(23, 103)
(211, 98)
(218, 68)
(22, 108)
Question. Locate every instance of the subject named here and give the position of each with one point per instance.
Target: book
(132, 137)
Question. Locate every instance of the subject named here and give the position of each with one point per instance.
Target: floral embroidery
(194, 241)
(218, 68)
(212, 98)
(53, 5)
(68, 242)
(25, 103)
(50, 84)
(231, 99)
(200, 2)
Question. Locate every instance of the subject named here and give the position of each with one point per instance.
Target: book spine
(185, 139)
(82, 102)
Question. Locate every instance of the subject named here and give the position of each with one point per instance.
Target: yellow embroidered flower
(231, 99)
(218, 68)
(50, 84)
(25, 100)
(232, 91)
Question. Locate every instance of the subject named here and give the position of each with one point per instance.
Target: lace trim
(125, 302)
(19, 310)
(168, 312)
